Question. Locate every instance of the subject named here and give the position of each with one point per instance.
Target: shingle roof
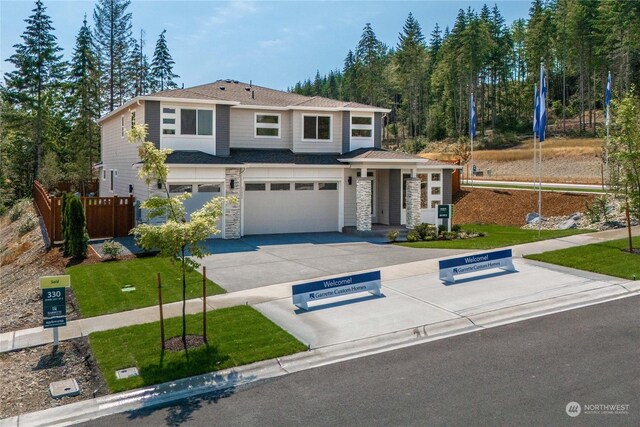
(240, 156)
(363, 154)
(247, 94)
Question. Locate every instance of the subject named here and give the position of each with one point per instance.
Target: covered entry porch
(387, 188)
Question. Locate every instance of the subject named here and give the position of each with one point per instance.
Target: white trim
(251, 165)
(259, 107)
(257, 125)
(334, 109)
(303, 139)
(356, 142)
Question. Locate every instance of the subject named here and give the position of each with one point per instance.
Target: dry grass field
(568, 160)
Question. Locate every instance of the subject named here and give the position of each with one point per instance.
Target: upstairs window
(122, 127)
(168, 121)
(361, 127)
(196, 122)
(133, 119)
(316, 128)
(267, 125)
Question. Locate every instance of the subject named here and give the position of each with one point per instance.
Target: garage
(200, 194)
(290, 207)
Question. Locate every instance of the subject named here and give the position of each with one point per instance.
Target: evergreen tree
(370, 57)
(410, 59)
(162, 66)
(139, 68)
(35, 84)
(349, 87)
(85, 102)
(112, 36)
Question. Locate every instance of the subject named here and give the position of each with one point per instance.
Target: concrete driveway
(256, 261)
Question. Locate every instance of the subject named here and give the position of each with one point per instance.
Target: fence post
(113, 216)
(132, 214)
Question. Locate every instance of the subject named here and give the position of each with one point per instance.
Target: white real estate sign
(470, 264)
(335, 287)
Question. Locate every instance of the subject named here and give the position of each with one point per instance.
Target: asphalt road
(519, 374)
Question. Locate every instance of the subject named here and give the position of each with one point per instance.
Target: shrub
(442, 229)
(413, 236)
(18, 209)
(449, 235)
(28, 223)
(76, 236)
(392, 235)
(112, 249)
(456, 228)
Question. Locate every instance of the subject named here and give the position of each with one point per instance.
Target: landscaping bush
(112, 249)
(456, 228)
(28, 223)
(413, 236)
(76, 236)
(18, 209)
(442, 229)
(392, 235)
(425, 230)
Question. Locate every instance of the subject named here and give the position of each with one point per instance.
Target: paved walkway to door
(256, 261)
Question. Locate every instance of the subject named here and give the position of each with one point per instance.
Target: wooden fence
(85, 187)
(106, 216)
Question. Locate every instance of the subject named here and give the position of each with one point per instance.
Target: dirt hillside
(509, 207)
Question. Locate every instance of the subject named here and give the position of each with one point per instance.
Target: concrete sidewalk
(419, 300)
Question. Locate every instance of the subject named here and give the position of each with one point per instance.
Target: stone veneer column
(232, 211)
(363, 203)
(413, 203)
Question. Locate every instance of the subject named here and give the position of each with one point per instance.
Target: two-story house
(296, 163)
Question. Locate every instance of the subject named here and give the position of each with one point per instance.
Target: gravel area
(27, 373)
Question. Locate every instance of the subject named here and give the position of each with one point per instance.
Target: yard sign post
(54, 309)
(446, 212)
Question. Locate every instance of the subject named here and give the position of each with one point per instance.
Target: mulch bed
(510, 207)
(176, 344)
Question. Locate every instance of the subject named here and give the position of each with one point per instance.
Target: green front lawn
(496, 236)
(605, 258)
(237, 336)
(98, 287)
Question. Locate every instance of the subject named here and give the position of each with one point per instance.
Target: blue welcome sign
(472, 263)
(335, 287)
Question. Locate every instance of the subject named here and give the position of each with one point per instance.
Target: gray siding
(152, 120)
(395, 194)
(346, 131)
(377, 130)
(447, 198)
(223, 118)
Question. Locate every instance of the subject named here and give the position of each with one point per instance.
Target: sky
(273, 43)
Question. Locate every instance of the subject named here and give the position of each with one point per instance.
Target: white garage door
(200, 194)
(290, 207)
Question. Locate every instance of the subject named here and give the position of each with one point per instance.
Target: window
(435, 177)
(361, 127)
(196, 122)
(168, 121)
(180, 188)
(111, 180)
(267, 125)
(208, 188)
(122, 127)
(133, 119)
(281, 186)
(304, 185)
(316, 128)
(434, 204)
(255, 187)
(327, 186)
(435, 191)
(405, 177)
(104, 174)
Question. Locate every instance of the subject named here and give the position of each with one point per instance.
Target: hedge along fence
(106, 216)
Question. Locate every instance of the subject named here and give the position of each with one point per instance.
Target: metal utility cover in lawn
(127, 373)
(64, 388)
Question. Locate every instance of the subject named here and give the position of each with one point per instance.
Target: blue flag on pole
(542, 120)
(607, 99)
(472, 117)
(536, 108)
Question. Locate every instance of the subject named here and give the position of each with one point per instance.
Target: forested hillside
(426, 80)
